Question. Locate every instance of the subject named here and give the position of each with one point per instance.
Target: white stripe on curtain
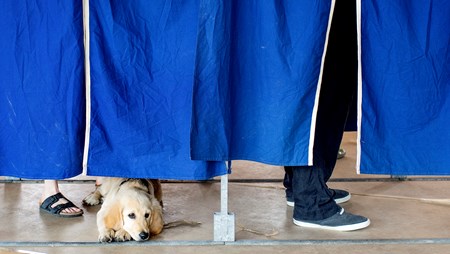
(319, 85)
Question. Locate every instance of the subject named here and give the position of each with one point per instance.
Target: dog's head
(133, 208)
(139, 212)
(142, 216)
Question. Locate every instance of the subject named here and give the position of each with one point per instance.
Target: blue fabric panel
(142, 58)
(256, 74)
(41, 89)
(406, 87)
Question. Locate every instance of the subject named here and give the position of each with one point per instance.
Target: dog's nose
(143, 235)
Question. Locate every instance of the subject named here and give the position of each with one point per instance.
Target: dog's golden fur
(131, 209)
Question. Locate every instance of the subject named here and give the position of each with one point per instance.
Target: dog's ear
(113, 216)
(156, 220)
(157, 189)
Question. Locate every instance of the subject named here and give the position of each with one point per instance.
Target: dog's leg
(94, 198)
(105, 234)
(122, 235)
(109, 220)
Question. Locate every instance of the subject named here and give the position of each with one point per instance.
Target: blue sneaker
(341, 221)
(339, 196)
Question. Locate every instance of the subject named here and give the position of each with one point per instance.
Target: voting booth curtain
(142, 61)
(179, 87)
(258, 77)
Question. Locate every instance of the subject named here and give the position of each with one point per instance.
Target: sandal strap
(58, 208)
(47, 204)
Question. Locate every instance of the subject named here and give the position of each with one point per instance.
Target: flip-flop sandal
(46, 206)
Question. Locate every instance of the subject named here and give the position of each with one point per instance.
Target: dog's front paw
(122, 236)
(92, 199)
(106, 236)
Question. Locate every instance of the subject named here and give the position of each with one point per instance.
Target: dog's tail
(178, 223)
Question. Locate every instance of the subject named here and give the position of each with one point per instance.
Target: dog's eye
(132, 216)
(146, 215)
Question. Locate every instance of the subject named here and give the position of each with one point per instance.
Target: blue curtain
(142, 58)
(257, 72)
(405, 87)
(142, 64)
(41, 89)
(256, 75)
(215, 80)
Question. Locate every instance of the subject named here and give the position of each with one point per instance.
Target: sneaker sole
(338, 200)
(351, 227)
(343, 199)
(290, 203)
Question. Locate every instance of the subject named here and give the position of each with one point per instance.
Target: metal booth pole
(224, 222)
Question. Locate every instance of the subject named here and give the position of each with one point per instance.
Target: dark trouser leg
(287, 182)
(313, 200)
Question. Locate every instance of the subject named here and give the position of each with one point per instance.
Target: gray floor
(408, 216)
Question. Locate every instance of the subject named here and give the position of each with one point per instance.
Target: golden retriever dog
(131, 209)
